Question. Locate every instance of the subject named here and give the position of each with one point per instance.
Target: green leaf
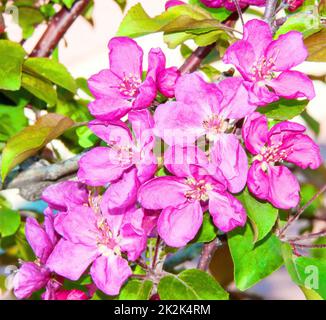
(31, 139)
(68, 3)
(191, 284)
(312, 123)
(306, 193)
(322, 8)
(305, 22)
(218, 13)
(11, 61)
(121, 3)
(308, 273)
(136, 289)
(40, 88)
(51, 70)
(83, 85)
(29, 18)
(253, 261)
(316, 45)
(262, 215)
(9, 221)
(208, 231)
(284, 109)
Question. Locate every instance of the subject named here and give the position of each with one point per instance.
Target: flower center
(263, 69)
(105, 241)
(198, 190)
(214, 125)
(130, 85)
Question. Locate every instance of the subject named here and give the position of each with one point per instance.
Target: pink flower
(294, 4)
(126, 164)
(201, 109)
(120, 89)
(92, 236)
(229, 4)
(173, 3)
(33, 276)
(265, 64)
(267, 178)
(182, 197)
(166, 81)
(71, 295)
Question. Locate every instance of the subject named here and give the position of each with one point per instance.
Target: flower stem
(207, 254)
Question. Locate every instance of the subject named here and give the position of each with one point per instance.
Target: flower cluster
(216, 144)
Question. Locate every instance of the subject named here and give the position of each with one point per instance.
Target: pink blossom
(182, 197)
(33, 276)
(128, 162)
(173, 3)
(294, 4)
(229, 4)
(92, 236)
(265, 64)
(166, 81)
(268, 179)
(201, 109)
(120, 89)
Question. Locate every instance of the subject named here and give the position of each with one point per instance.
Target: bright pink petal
(258, 33)
(123, 192)
(287, 51)
(30, 278)
(78, 225)
(257, 181)
(162, 192)
(71, 260)
(146, 95)
(104, 84)
(235, 103)
(178, 123)
(71, 295)
(110, 273)
(259, 93)
(38, 239)
(254, 132)
(65, 194)
(113, 132)
(100, 166)
(173, 3)
(228, 155)
(178, 160)
(167, 80)
(156, 63)
(293, 85)
(179, 226)
(126, 57)
(109, 108)
(48, 224)
(227, 211)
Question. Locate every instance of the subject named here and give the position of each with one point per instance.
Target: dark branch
(57, 27)
(270, 9)
(207, 254)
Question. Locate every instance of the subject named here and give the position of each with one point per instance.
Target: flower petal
(228, 155)
(287, 51)
(254, 132)
(162, 192)
(110, 273)
(71, 260)
(126, 57)
(179, 226)
(293, 85)
(146, 95)
(257, 181)
(227, 211)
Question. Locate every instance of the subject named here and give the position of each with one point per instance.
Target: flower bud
(294, 4)
(173, 3)
(166, 81)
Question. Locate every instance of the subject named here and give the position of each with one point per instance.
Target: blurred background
(84, 52)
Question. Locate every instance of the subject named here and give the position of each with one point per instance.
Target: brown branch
(300, 211)
(57, 27)
(270, 9)
(2, 24)
(193, 62)
(207, 254)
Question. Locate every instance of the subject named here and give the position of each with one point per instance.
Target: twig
(270, 11)
(156, 252)
(304, 237)
(207, 254)
(57, 27)
(300, 211)
(236, 3)
(311, 246)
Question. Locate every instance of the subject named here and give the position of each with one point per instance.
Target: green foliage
(121, 3)
(29, 17)
(31, 139)
(316, 45)
(68, 3)
(262, 215)
(312, 123)
(284, 109)
(52, 71)
(308, 273)
(11, 61)
(179, 23)
(207, 231)
(136, 289)
(191, 284)
(253, 261)
(9, 219)
(306, 193)
(219, 14)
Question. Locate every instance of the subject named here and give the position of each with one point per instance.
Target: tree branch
(270, 11)
(57, 27)
(207, 254)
